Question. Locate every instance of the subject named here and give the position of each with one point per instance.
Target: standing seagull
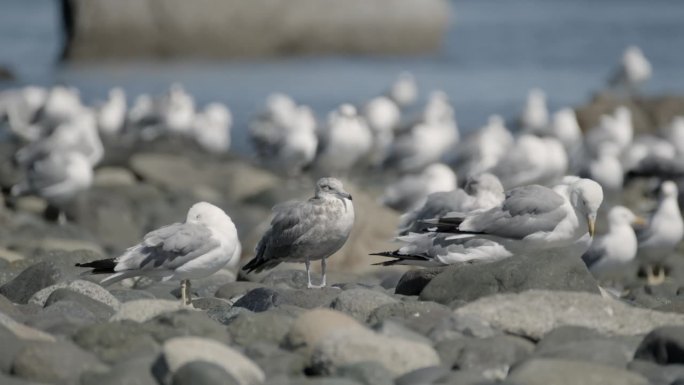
(196, 248)
(633, 70)
(307, 231)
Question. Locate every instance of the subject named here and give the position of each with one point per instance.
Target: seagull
(21, 108)
(404, 91)
(482, 191)
(663, 233)
(194, 249)
(307, 231)
(483, 150)
(284, 135)
(62, 104)
(534, 217)
(532, 160)
(111, 115)
(616, 248)
(211, 128)
(634, 70)
(535, 116)
(410, 191)
(606, 169)
(345, 140)
(382, 116)
(177, 110)
(616, 128)
(58, 177)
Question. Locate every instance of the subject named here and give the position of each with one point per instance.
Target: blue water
(494, 51)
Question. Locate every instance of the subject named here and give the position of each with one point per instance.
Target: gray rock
(414, 281)
(664, 345)
(186, 323)
(117, 341)
(393, 329)
(292, 279)
(225, 315)
(275, 361)
(86, 288)
(9, 309)
(179, 351)
(231, 290)
(493, 354)
(63, 318)
(127, 295)
(207, 303)
(6, 380)
(359, 303)
(601, 351)
(535, 313)
(567, 334)
(419, 316)
(428, 375)
(564, 372)
(137, 370)
(345, 347)
(59, 362)
(202, 373)
(271, 326)
(312, 326)
(456, 326)
(97, 308)
(259, 299)
(309, 299)
(30, 281)
(11, 345)
(145, 309)
(657, 374)
(366, 373)
(469, 282)
(24, 332)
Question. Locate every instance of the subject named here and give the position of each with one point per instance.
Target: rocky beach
(537, 318)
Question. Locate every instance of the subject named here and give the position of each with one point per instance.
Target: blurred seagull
(194, 249)
(404, 91)
(177, 109)
(663, 233)
(410, 191)
(482, 191)
(634, 69)
(483, 150)
(616, 248)
(535, 116)
(211, 128)
(111, 115)
(345, 140)
(307, 231)
(532, 160)
(616, 128)
(382, 116)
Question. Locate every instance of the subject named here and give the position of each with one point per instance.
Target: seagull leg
(308, 272)
(652, 278)
(185, 292)
(323, 263)
(188, 294)
(61, 218)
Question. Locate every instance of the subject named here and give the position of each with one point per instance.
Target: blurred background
(487, 55)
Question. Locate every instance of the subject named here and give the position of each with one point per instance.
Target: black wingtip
(100, 266)
(384, 253)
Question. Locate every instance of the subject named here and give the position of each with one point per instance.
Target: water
(494, 52)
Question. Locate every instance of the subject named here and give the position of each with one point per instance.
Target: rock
(86, 288)
(259, 299)
(366, 373)
(428, 375)
(207, 303)
(24, 332)
(393, 329)
(567, 334)
(663, 345)
(345, 347)
(126, 295)
(235, 289)
(117, 341)
(492, 355)
(314, 325)
(113, 176)
(292, 279)
(186, 323)
(30, 281)
(145, 309)
(419, 316)
(10, 256)
(178, 352)
(272, 326)
(601, 351)
(226, 315)
(59, 362)
(456, 326)
(6, 380)
(275, 361)
(63, 318)
(658, 374)
(6, 74)
(309, 299)
(469, 282)
(534, 313)
(202, 373)
(135, 371)
(9, 309)
(414, 281)
(359, 303)
(564, 372)
(11, 345)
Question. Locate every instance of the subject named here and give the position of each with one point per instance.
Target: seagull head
(484, 183)
(586, 197)
(206, 214)
(668, 190)
(621, 215)
(331, 188)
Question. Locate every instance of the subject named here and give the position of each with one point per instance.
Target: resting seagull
(194, 249)
(307, 231)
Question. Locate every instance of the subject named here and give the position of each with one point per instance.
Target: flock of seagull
(538, 188)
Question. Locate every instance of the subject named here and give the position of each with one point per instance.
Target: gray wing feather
(525, 210)
(436, 205)
(168, 248)
(47, 170)
(593, 255)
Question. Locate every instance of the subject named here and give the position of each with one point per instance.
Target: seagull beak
(640, 221)
(591, 221)
(346, 196)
